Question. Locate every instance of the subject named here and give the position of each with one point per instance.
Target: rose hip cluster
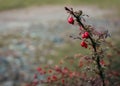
(84, 35)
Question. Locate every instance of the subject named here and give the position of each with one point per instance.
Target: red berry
(83, 36)
(83, 44)
(70, 20)
(86, 34)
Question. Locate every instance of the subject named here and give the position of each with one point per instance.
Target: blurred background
(35, 32)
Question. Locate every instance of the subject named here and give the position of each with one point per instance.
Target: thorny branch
(101, 72)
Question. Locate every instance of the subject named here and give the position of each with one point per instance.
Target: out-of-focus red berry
(63, 81)
(65, 70)
(35, 76)
(48, 79)
(44, 72)
(57, 68)
(72, 74)
(70, 20)
(102, 62)
(84, 44)
(54, 77)
(35, 82)
(50, 71)
(39, 69)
